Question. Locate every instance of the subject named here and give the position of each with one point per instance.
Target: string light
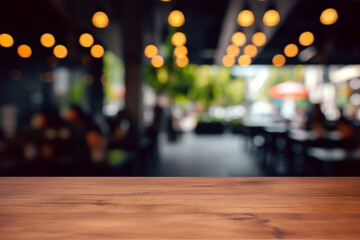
(291, 50)
(176, 18)
(259, 39)
(279, 60)
(6, 40)
(47, 40)
(157, 61)
(250, 50)
(97, 51)
(244, 60)
(86, 40)
(150, 51)
(228, 61)
(180, 51)
(245, 18)
(178, 39)
(24, 51)
(238, 38)
(182, 61)
(60, 51)
(233, 50)
(100, 20)
(306, 38)
(329, 16)
(271, 18)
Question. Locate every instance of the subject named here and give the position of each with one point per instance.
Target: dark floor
(207, 155)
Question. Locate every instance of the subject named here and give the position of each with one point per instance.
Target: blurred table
(164, 208)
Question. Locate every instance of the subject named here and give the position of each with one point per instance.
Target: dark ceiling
(208, 26)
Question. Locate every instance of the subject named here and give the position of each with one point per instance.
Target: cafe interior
(180, 88)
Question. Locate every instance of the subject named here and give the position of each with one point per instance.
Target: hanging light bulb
(178, 39)
(244, 60)
(259, 39)
(250, 50)
(329, 16)
(151, 51)
(271, 18)
(233, 50)
(306, 38)
(279, 60)
(228, 61)
(238, 38)
(176, 18)
(246, 18)
(291, 50)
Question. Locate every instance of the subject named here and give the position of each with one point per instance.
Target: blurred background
(180, 88)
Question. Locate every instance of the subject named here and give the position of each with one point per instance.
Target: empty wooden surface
(179, 208)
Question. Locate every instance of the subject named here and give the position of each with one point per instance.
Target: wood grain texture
(179, 208)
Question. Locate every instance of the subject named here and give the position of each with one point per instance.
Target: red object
(289, 89)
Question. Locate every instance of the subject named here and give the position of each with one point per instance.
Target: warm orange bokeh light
(233, 50)
(291, 50)
(244, 60)
(306, 38)
(238, 38)
(228, 61)
(60, 51)
(250, 50)
(86, 40)
(271, 18)
(182, 62)
(47, 40)
(176, 18)
(150, 51)
(329, 16)
(180, 52)
(100, 20)
(259, 39)
(97, 51)
(245, 18)
(279, 60)
(178, 39)
(24, 51)
(157, 61)
(6, 40)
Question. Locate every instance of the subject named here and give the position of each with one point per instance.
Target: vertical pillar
(132, 39)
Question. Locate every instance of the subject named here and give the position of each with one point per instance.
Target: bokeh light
(100, 20)
(176, 18)
(24, 51)
(238, 38)
(228, 61)
(244, 60)
(259, 39)
(180, 52)
(329, 16)
(86, 40)
(182, 62)
(291, 50)
(97, 51)
(233, 50)
(250, 50)
(157, 61)
(60, 51)
(6, 40)
(245, 18)
(306, 38)
(178, 39)
(279, 60)
(271, 18)
(150, 51)
(47, 40)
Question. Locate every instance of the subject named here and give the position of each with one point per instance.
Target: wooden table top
(179, 208)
